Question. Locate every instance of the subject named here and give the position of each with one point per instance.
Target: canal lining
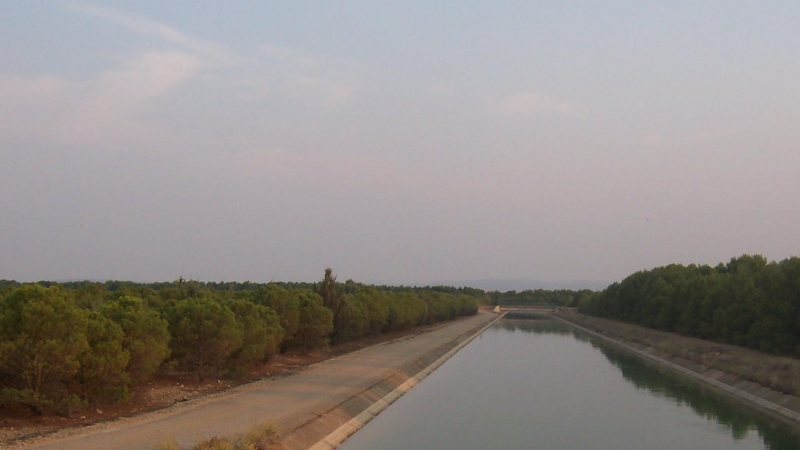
(761, 398)
(352, 414)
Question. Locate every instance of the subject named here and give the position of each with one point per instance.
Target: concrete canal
(538, 384)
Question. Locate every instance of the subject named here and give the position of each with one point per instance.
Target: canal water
(536, 384)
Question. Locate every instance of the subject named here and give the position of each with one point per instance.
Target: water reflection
(535, 326)
(662, 383)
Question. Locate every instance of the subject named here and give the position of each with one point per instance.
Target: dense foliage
(558, 297)
(747, 302)
(64, 346)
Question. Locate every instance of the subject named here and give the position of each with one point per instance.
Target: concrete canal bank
(777, 404)
(334, 426)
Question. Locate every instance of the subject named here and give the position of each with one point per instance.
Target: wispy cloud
(107, 107)
(531, 102)
(113, 105)
(116, 96)
(299, 70)
(273, 72)
(99, 110)
(148, 27)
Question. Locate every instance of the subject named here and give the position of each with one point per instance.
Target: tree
(406, 309)
(358, 324)
(89, 295)
(146, 336)
(42, 336)
(334, 299)
(377, 306)
(102, 375)
(205, 333)
(286, 304)
(748, 302)
(262, 333)
(315, 324)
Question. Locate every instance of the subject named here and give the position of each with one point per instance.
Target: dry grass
(260, 437)
(776, 372)
(169, 444)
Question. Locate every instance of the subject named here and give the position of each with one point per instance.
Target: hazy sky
(398, 142)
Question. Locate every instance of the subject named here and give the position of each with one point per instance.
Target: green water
(535, 384)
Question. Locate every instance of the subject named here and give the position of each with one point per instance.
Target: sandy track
(288, 402)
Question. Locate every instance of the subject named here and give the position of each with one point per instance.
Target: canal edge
(375, 399)
(756, 401)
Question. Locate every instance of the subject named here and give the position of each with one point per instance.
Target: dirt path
(288, 402)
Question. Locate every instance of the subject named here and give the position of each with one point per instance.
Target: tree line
(747, 302)
(65, 346)
(556, 297)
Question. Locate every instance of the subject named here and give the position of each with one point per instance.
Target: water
(534, 384)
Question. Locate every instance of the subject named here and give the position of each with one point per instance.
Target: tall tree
(205, 333)
(334, 299)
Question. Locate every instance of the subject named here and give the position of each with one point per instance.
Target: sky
(404, 142)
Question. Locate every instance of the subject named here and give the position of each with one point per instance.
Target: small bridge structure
(523, 310)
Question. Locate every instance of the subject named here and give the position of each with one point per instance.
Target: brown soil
(20, 425)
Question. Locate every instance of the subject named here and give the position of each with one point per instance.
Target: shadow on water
(661, 383)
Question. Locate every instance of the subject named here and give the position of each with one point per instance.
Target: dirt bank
(289, 401)
(759, 379)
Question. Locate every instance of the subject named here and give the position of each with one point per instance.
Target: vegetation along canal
(538, 384)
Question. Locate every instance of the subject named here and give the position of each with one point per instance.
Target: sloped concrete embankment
(780, 405)
(331, 428)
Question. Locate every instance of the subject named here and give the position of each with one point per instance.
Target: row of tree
(557, 297)
(747, 302)
(64, 346)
